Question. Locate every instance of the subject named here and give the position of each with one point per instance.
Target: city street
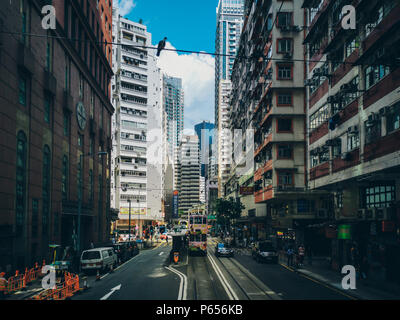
(144, 277)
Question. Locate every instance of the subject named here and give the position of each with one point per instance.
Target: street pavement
(278, 280)
(144, 277)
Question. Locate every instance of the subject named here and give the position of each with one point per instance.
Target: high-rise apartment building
(353, 81)
(173, 100)
(55, 118)
(137, 126)
(229, 16)
(188, 173)
(268, 97)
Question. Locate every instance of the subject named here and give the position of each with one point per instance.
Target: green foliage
(228, 209)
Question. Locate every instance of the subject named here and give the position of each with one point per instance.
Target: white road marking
(228, 289)
(111, 292)
(161, 253)
(183, 284)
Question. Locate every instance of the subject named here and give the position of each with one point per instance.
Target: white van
(98, 259)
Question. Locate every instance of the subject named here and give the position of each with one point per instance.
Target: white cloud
(125, 6)
(197, 73)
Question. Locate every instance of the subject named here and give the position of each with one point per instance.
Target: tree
(227, 210)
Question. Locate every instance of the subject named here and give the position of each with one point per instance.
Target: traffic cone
(98, 275)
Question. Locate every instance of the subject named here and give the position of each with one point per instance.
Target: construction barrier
(64, 291)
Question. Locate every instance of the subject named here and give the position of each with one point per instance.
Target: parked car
(121, 249)
(264, 251)
(98, 259)
(222, 249)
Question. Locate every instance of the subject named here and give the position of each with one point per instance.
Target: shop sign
(330, 233)
(246, 191)
(388, 226)
(344, 232)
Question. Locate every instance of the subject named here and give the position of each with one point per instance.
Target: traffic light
(287, 209)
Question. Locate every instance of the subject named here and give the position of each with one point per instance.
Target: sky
(188, 25)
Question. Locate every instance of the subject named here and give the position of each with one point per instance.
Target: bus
(197, 232)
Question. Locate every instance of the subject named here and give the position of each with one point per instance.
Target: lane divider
(228, 289)
(182, 295)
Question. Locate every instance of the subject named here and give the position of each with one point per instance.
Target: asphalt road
(288, 284)
(144, 277)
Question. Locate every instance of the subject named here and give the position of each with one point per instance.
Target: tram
(198, 230)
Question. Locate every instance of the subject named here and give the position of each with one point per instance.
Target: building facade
(229, 16)
(55, 119)
(137, 127)
(354, 121)
(188, 173)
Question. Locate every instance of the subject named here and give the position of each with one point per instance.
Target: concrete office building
(137, 127)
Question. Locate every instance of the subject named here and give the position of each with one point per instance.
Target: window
(373, 74)
(372, 131)
(393, 119)
(20, 198)
(81, 86)
(35, 215)
(91, 186)
(80, 140)
(47, 108)
(349, 97)
(285, 99)
(319, 117)
(337, 148)
(22, 82)
(323, 155)
(65, 177)
(314, 159)
(378, 196)
(24, 11)
(49, 54)
(284, 125)
(285, 178)
(353, 141)
(351, 45)
(284, 19)
(337, 58)
(66, 126)
(285, 45)
(285, 152)
(285, 72)
(46, 189)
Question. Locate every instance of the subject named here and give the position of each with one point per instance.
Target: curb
(326, 284)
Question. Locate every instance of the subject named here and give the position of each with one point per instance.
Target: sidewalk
(366, 290)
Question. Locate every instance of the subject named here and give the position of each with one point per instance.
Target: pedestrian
(290, 254)
(245, 242)
(301, 253)
(91, 245)
(309, 255)
(166, 238)
(364, 268)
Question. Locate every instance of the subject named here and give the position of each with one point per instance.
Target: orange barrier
(68, 288)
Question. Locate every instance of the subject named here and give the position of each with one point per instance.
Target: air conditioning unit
(332, 99)
(345, 87)
(382, 214)
(346, 156)
(317, 72)
(285, 28)
(384, 111)
(308, 82)
(373, 117)
(296, 28)
(322, 213)
(352, 130)
(330, 143)
(369, 214)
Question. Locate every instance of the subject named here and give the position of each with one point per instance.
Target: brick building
(354, 121)
(55, 107)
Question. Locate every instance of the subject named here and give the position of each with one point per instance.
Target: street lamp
(102, 153)
(129, 227)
